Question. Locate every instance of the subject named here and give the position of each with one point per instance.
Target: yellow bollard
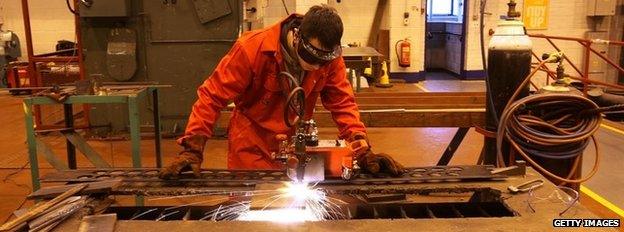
(384, 80)
(368, 71)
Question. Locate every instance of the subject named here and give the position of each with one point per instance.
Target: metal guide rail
(215, 177)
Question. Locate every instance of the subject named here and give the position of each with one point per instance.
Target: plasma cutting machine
(306, 158)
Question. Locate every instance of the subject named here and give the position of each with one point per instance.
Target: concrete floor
(444, 82)
(410, 146)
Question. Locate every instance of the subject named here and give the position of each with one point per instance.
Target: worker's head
(318, 38)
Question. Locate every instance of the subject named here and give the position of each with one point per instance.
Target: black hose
(70, 8)
(293, 81)
(295, 100)
(297, 94)
(285, 8)
(488, 88)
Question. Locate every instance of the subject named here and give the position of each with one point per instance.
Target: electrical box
(597, 66)
(104, 8)
(601, 7)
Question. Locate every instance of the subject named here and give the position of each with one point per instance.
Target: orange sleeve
(231, 77)
(337, 97)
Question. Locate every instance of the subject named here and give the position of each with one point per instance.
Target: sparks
(302, 192)
(309, 204)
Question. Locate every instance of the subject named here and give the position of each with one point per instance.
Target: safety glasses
(563, 197)
(316, 56)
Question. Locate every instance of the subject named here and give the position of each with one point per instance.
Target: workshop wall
(413, 28)
(302, 6)
(357, 20)
(50, 21)
(567, 18)
(274, 11)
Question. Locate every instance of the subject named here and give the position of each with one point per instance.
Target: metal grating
(430, 210)
(224, 212)
(251, 177)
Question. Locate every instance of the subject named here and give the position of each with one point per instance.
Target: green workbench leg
(157, 136)
(135, 137)
(32, 144)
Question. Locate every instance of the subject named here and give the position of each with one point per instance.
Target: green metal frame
(129, 97)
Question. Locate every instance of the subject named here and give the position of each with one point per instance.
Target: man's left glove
(371, 162)
(189, 159)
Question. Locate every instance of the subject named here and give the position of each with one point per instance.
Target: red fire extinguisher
(403, 48)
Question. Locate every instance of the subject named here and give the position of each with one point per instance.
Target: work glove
(380, 163)
(371, 162)
(188, 159)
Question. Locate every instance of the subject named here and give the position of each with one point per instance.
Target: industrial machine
(9, 51)
(171, 42)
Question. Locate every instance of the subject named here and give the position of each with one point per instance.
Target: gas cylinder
(509, 62)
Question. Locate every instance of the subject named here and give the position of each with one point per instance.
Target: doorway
(445, 32)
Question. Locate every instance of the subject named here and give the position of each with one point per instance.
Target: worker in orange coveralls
(306, 46)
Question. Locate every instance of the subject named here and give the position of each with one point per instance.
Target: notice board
(535, 14)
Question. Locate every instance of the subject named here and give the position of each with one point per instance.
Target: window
(445, 10)
(441, 7)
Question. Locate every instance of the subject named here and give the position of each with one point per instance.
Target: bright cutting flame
(302, 192)
(309, 204)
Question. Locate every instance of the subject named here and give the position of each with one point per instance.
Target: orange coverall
(247, 75)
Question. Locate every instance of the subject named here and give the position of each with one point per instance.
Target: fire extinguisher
(403, 48)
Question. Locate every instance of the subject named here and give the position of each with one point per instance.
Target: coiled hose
(552, 126)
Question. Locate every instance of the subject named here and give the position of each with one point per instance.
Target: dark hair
(323, 23)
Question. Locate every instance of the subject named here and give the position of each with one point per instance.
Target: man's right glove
(371, 162)
(380, 163)
(189, 159)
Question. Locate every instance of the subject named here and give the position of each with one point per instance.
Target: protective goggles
(313, 55)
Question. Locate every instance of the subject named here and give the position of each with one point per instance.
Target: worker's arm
(337, 97)
(228, 81)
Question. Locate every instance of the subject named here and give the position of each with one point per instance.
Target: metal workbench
(522, 218)
(130, 97)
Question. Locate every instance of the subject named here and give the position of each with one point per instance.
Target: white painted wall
(567, 18)
(50, 22)
(357, 20)
(274, 11)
